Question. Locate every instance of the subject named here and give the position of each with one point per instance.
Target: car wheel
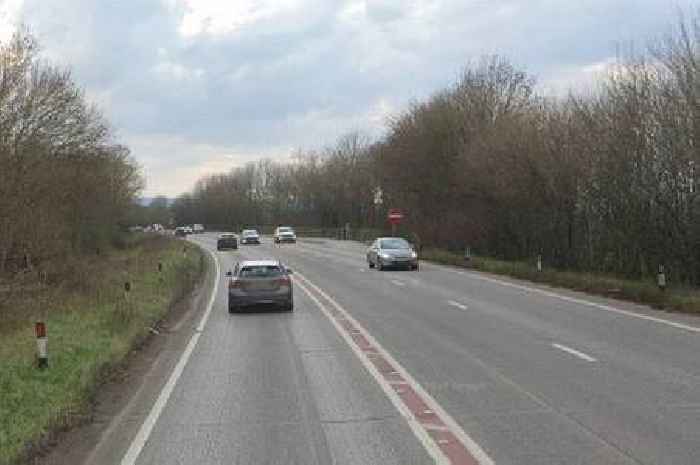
(289, 306)
(415, 267)
(232, 308)
(369, 262)
(380, 267)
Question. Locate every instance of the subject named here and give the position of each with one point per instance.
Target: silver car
(260, 282)
(387, 252)
(250, 236)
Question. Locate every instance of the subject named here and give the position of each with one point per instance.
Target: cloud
(192, 85)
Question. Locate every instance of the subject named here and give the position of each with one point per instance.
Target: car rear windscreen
(394, 244)
(260, 271)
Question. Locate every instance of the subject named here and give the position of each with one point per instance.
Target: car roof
(384, 238)
(259, 263)
(227, 234)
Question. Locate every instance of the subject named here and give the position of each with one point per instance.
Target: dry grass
(90, 328)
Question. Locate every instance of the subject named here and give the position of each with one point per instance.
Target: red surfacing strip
(455, 451)
(452, 448)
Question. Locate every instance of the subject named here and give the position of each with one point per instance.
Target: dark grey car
(260, 282)
(392, 252)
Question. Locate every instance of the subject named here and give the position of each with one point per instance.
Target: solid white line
(469, 443)
(137, 444)
(398, 283)
(457, 304)
(393, 396)
(608, 308)
(575, 352)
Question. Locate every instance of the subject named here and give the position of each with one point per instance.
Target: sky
(196, 87)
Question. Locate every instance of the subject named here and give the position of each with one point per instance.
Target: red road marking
(445, 433)
(454, 450)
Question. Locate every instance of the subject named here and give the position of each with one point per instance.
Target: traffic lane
(353, 250)
(671, 350)
(641, 410)
(509, 422)
(277, 387)
(671, 401)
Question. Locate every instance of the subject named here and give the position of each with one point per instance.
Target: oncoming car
(260, 282)
(386, 252)
(285, 234)
(227, 241)
(250, 236)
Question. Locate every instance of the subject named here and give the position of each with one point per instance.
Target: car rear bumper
(237, 300)
(250, 241)
(400, 263)
(290, 240)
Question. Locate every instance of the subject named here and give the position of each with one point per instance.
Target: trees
(64, 185)
(605, 181)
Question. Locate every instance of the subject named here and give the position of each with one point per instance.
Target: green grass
(88, 332)
(645, 292)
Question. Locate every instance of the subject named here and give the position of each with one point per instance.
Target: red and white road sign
(395, 216)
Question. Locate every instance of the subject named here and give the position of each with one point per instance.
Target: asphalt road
(512, 372)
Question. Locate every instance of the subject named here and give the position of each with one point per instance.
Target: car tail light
(284, 280)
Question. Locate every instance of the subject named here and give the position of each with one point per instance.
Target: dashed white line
(575, 352)
(457, 304)
(608, 308)
(398, 283)
(436, 453)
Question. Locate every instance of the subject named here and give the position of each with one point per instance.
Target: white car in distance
(285, 234)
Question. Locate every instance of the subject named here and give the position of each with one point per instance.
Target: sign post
(395, 216)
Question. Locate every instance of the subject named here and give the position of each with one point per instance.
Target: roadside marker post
(468, 254)
(661, 278)
(41, 345)
(127, 290)
(539, 262)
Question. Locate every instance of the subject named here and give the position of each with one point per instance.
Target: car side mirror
(229, 273)
(290, 271)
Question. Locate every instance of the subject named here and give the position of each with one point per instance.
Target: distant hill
(146, 201)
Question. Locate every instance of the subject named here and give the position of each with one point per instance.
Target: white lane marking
(608, 308)
(137, 444)
(398, 283)
(476, 450)
(575, 352)
(457, 304)
(392, 394)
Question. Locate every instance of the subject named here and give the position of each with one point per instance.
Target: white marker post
(539, 262)
(661, 278)
(41, 345)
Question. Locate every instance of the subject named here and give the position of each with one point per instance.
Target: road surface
(440, 365)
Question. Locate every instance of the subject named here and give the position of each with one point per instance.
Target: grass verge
(89, 331)
(646, 292)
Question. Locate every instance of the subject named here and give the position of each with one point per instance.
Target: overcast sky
(200, 86)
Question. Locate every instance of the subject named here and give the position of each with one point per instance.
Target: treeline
(65, 185)
(605, 181)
